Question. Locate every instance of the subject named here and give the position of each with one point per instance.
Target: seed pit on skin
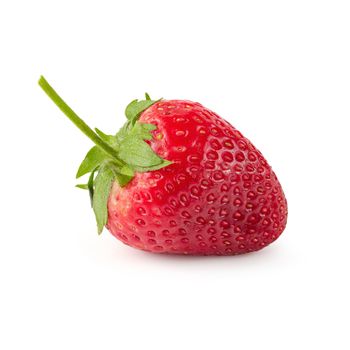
(228, 144)
(237, 202)
(168, 211)
(223, 212)
(214, 131)
(211, 198)
(140, 222)
(218, 175)
(238, 216)
(224, 199)
(247, 184)
(151, 233)
(260, 190)
(242, 145)
(249, 168)
(180, 120)
(181, 178)
(205, 184)
(253, 219)
(237, 229)
(238, 168)
(193, 158)
(184, 200)
(141, 211)
(246, 177)
(166, 233)
(169, 187)
(225, 224)
(180, 149)
(200, 220)
(198, 208)
(186, 214)
(258, 178)
(198, 120)
(182, 232)
(215, 144)
(251, 195)
(181, 133)
(225, 235)
(211, 211)
(195, 191)
(209, 165)
(240, 157)
(227, 157)
(173, 203)
(213, 155)
(237, 191)
(225, 188)
(252, 156)
(249, 206)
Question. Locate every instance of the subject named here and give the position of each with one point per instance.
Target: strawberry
(179, 179)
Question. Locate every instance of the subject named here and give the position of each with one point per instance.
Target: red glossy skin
(219, 196)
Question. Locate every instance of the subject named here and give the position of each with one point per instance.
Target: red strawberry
(216, 194)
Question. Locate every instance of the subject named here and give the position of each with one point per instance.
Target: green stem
(77, 120)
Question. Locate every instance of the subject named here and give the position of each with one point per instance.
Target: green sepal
(136, 107)
(91, 161)
(110, 139)
(103, 183)
(82, 186)
(163, 164)
(90, 185)
(136, 152)
(123, 180)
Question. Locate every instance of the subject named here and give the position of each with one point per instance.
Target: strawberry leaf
(136, 107)
(136, 152)
(82, 186)
(163, 164)
(143, 130)
(92, 160)
(90, 185)
(123, 180)
(110, 139)
(103, 184)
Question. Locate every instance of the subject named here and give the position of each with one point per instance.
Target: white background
(277, 70)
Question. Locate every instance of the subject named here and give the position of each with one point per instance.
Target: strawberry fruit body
(211, 193)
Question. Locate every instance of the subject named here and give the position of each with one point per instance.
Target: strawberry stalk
(77, 121)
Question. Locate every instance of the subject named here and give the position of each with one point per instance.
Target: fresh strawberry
(179, 179)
